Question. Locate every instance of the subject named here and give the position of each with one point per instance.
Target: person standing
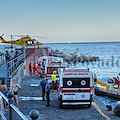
(33, 68)
(95, 78)
(54, 81)
(30, 68)
(39, 67)
(16, 52)
(116, 81)
(47, 90)
(4, 90)
(15, 89)
(36, 68)
(7, 58)
(42, 87)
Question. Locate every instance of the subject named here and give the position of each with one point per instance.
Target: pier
(30, 96)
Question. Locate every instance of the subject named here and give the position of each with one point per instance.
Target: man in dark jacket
(42, 87)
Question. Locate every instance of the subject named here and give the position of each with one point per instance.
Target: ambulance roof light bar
(77, 70)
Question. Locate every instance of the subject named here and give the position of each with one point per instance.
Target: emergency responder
(47, 89)
(54, 81)
(34, 68)
(95, 78)
(30, 68)
(42, 87)
(116, 81)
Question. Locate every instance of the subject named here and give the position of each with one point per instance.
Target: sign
(69, 83)
(73, 73)
(83, 82)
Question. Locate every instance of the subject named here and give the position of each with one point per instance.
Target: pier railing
(2, 59)
(13, 64)
(34, 114)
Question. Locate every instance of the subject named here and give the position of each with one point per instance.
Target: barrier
(34, 114)
(2, 59)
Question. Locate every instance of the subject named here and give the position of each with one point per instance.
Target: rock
(70, 56)
(116, 109)
(109, 107)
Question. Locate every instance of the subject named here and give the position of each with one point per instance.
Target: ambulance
(48, 64)
(75, 87)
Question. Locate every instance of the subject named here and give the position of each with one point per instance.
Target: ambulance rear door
(76, 89)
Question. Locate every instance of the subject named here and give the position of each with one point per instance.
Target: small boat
(105, 89)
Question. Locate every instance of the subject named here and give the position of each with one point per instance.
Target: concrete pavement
(30, 98)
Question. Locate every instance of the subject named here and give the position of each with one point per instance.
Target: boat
(105, 89)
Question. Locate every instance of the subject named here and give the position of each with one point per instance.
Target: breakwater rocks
(75, 56)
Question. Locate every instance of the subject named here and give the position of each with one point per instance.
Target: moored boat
(105, 89)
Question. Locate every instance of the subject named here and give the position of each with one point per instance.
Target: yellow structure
(23, 41)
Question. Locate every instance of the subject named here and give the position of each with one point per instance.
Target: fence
(2, 59)
(34, 114)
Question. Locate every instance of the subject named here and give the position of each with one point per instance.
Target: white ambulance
(50, 64)
(75, 87)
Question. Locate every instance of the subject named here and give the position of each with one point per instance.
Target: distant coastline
(83, 42)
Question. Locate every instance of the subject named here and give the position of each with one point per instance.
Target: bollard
(10, 95)
(34, 114)
(116, 109)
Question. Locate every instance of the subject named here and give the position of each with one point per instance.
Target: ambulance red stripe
(74, 91)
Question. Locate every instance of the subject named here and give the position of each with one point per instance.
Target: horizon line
(82, 42)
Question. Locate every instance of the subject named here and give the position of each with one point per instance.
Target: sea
(108, 65)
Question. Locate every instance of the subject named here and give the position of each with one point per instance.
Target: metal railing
(34, 114)
(2, 59)
(13, 64)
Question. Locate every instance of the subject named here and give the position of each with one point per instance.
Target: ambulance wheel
(89, 106)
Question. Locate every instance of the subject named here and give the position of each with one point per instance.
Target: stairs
(8, 83)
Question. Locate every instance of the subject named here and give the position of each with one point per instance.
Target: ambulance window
(44, 62)
(76, 82)
(83, 82)
(51, 69)
(69, 83)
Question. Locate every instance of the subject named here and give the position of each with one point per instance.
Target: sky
(61, 20)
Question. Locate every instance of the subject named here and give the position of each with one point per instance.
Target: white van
(75, 87)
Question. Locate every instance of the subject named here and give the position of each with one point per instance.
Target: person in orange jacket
(30, 68)
(34, 68)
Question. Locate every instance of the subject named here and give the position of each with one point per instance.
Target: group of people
(45, 87)
(8, 57)
(33, 69)
(114, 81)
(15, 88)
